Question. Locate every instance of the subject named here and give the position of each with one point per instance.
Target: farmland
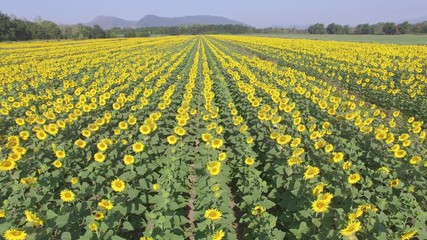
(213, 137)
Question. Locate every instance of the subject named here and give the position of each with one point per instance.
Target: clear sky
(258, 13)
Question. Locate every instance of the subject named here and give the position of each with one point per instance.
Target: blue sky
(258, 13)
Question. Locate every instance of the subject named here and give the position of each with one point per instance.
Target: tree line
(389, 28)
(14, 29)
(194, 29)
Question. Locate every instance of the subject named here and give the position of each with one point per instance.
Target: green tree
(130, 33)
(334, 28)
(50, 30)
(390, 28)
(317, 28)
(98, 32)
(378, 28)
(5, 28)
(346, 29)
(404, 27)
(22, 30)
(364, 29)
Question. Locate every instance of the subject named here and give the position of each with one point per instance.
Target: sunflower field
(212, 137)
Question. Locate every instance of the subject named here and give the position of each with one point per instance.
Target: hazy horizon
(257, 14)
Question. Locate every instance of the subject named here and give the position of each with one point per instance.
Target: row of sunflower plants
(337, 156)
(247, 186)
(387, 75)
(166, 218)
(213, 212)
(45, 187)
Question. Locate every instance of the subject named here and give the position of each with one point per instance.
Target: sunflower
(118, 185)
(20, 121)
(327, 197)
(74, 180)
(218, 235)
(354, 178)
(80, 143)
(409, 235)
(217, 143)
(33, 218)
(60, 154)
(311, 172)
(346, 165)
(180, 131)
(99, 216)
(24, 135)
(172, 139)
(67, 195)
(400, 153)
(57, 163)
(156, 187)
(338, 157)
(294, 161)
(13, 156)
(249, 140)
(2, 213)
(258, 210)
(145, 129)
(206, 137)
(128, 159)
(329, 148)
(15, 234)
(123, 125)
(318, 189)
(249, 161)
(283, 139)
(146, 238)
(28, 180)
(138, 147)
(41, 135)
(394, 182)
(351, 228)
(132, 120)
(320, 206)
(105, 204)
(219, 130)
(213, 214)
(93, 227)
(243, 128)
(355, 215)
(99, 157)
(102, 146)
(7, 165)
(295, 142)
(222, 156)
(214, 167)
(415, 159)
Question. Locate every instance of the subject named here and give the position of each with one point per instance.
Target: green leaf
(50, 214)
(62, 220)
(128, 226)
(115, 237)
(66, 236)
(302, 229)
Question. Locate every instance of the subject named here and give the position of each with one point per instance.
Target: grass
(391, 39)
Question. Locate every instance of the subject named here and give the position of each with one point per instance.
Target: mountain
(107, 22)
(156, 21)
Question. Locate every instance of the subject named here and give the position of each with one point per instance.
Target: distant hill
(108, 22)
